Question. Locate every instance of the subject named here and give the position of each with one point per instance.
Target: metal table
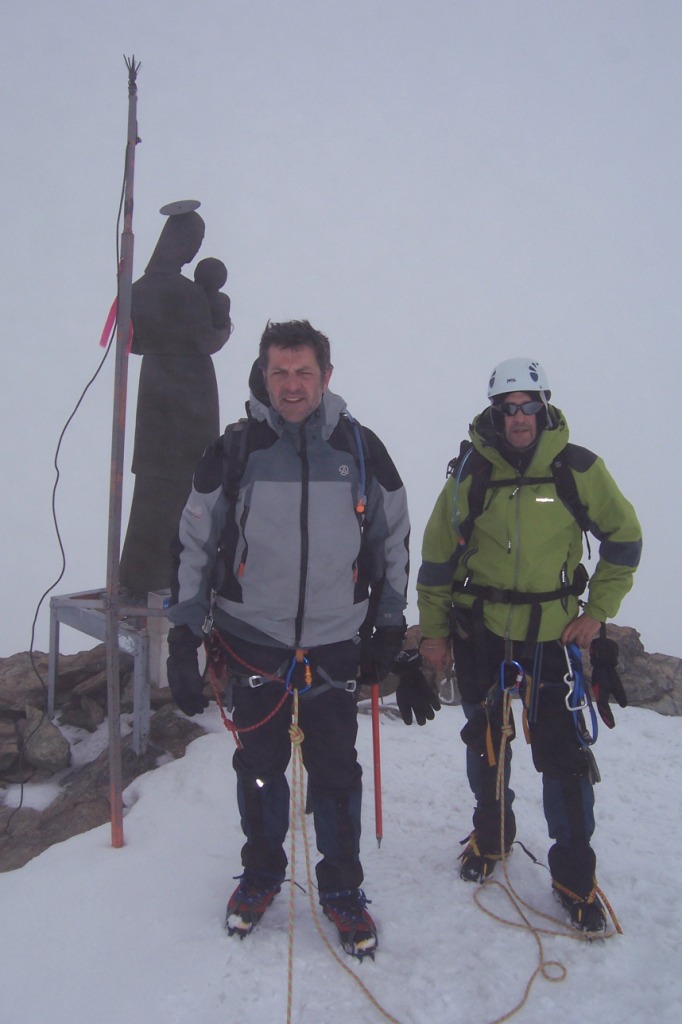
(86, 612)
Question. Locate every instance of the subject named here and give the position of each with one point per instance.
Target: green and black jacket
(526, 541)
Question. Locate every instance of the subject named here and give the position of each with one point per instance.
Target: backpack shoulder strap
(564, 479)
(456, 465)
(470, 463)
(352, 436)
(235, 445)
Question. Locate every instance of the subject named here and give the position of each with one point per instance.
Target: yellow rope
(544, 966)
(296, 736)
(298, 811)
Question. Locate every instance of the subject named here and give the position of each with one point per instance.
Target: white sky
(436, 185)
(136, 934)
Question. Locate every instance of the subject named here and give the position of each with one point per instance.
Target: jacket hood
(487, 440)
(327, 414)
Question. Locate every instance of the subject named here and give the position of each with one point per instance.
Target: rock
(44, 746)
(9, 744)
(173, 732)
(23, 681)
(84, 800)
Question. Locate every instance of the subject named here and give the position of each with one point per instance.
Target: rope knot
(296, 734)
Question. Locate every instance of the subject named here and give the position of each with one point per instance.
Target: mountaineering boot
(586, 914)
(476, 866)
(247, 904)
(356, 928)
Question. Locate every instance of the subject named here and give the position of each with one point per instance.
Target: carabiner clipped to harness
(299, 658)
(513, 671)
(578, 698)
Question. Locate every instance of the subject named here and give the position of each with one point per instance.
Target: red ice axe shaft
(377, 764)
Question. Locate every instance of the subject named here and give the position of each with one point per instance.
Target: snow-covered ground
(120, 936)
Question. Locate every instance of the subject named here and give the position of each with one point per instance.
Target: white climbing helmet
(520, 374)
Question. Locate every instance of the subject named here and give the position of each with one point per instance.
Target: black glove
(605, 678)
(378, 652)
(182, 668)
(414, 693)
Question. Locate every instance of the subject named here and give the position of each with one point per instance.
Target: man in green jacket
(500, 580)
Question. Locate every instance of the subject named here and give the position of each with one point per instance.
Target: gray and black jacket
(290, 561)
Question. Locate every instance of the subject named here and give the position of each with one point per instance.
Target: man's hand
(436, 654)
(581, 631)
(182, 667)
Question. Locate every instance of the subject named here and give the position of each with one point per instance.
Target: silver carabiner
(446, 688)
(569, 679)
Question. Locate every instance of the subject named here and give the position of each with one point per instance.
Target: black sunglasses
(527, 408)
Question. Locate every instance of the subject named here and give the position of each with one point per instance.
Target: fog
(435, 185)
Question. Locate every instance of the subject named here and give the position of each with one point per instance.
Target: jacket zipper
(515, 496)
(305, 478)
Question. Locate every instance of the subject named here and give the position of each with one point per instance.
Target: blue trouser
(329, 724)
(567, 787)
(565, 765)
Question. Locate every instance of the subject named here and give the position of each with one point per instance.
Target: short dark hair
(293, 334)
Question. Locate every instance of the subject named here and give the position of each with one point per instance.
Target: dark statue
(177, 326)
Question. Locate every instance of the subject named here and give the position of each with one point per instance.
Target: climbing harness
(215, 645)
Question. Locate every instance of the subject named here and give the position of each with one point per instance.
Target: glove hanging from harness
(184, 678)
(414, 695)
(605, 678)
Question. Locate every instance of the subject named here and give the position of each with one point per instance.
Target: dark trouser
(567, 787)
(482, 778)
(329, 725)
(565, 765)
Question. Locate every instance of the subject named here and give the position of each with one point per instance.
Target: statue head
(180, 239)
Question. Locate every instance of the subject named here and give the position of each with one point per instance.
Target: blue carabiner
(518, 676)
(578, 697)
(294, 663)
(584, 738)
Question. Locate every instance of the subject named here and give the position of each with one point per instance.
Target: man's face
(520, 430)
(295, 382)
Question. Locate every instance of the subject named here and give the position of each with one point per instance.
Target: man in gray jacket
(298, 549)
